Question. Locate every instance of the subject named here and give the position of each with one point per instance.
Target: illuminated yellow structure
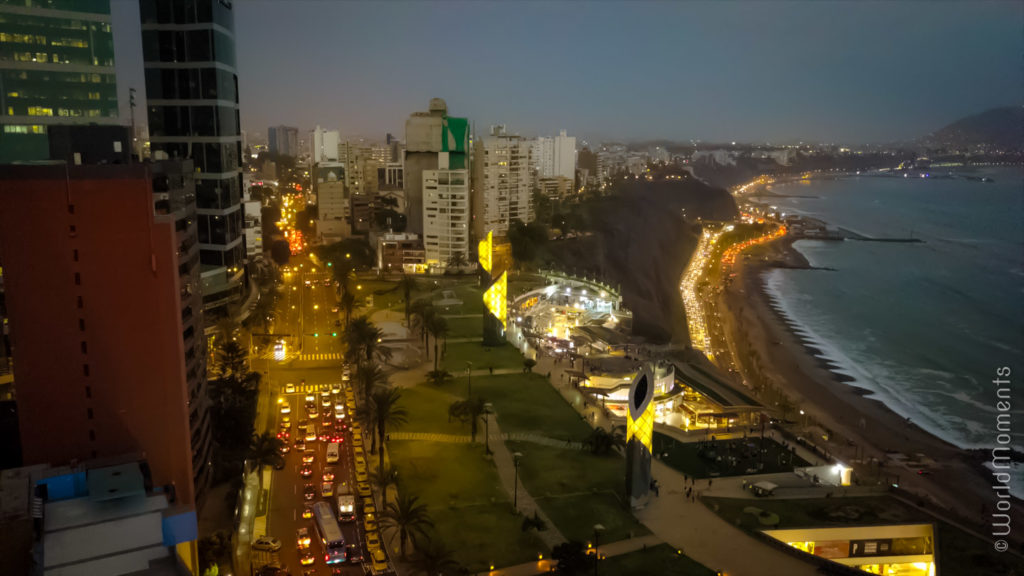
(496, 299)
(486, 251)
(639, 434)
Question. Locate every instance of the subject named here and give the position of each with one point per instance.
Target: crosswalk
(320, 356)
(311, 388)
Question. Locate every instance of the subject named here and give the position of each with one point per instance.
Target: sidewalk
(547, 565)
(505, 465)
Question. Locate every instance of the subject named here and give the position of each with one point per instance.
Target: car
(310, 398)
(372, 541)
(306, 471)
(289, 388)
(328, 474)
(286, 408)
(380, 561)
(357, 441)
(369, 508)
(309, 492)
(325, 402)
(335, 309)
(284, 435)
(353, 553)
(361, 476)
(302, 539)
(363, 488)
(335, 389)
(357, 429)
(360, 463)
(311, 435)
(286, 420)
(279, 465)
(284, 449)
(307, 512)
(369, 522)
(300, 444)
(358, 452)
(327, 489)
(307, 559)
(311, 412)
(268, 543)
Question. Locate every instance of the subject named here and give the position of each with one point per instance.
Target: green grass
(481, 356)
(465, 327)
(661, 560)
(471, 511)
(428, 412)
(577, 490)
(525, 403)
(685, 456)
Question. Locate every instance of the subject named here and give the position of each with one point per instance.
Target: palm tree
(231, 361)
(385, 412)
(344, 272)
(408, 285)
(433, 559)
(263, 312)
(383, 477)
(409, 517)
(264, 449)
(438, 377)
(470, 411)
(369, 375)
(422, 311)
(348, 304)
(438, 327)
(364, 339)
(456, 261)
(602, 441)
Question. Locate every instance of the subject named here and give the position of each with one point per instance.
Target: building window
(80, 304)
(88, 390)
(72, 228)
(74, 254)
(71, 208)
(78, 280)
(88, 413)
(81, 324)
(85, 348)
(85, 372)
(92, 436)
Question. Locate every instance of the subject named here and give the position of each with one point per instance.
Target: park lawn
(427, 409)
(471, 511)
(526, 403)
(465, 327)
(578, 489)
(576, 515)
(501, 357)
(684, 457)
(661, 559)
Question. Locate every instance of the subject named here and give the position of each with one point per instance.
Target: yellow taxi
(363, 488)
(372, 541)
(369, 522)
(380, 561)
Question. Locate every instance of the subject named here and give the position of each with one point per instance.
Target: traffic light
(334, 334)
(316, 334)
(329, 264)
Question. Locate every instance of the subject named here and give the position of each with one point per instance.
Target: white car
(286, 408)
(268, 543)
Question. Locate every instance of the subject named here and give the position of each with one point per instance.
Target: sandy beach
(862, 427)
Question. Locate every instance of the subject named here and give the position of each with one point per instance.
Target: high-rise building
(323, 145)
(332, 198)
(446, 215)
(502, 188)
(56, 67)
(283, 140)
(429, 136)
(118, 304)
(555, 157)
(192, 91)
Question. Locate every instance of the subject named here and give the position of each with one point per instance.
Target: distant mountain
(998, 129)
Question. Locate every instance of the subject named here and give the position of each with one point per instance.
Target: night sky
(759, 71)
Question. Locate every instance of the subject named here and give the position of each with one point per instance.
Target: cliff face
(642, 242)
(995, 129)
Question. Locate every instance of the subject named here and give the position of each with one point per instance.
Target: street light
(515, 484)
(487, 427)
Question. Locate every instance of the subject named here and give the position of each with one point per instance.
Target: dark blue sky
(758, 71)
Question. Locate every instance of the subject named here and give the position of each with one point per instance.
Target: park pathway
(505, 464)
(505, 437)
(546, 565)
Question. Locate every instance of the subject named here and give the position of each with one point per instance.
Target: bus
(332, 453)
(346, 503)
(330, 533)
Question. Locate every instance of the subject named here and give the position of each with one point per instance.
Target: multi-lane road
(312, 364)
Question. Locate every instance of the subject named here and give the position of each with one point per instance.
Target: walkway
(507, 472)
(547, 565)
(707, 538)
(505, 437)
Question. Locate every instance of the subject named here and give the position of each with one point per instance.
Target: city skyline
(850, 73)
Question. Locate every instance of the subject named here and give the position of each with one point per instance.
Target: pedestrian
(709, 482)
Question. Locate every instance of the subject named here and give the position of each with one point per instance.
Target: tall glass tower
(56, 67)
(188, 49)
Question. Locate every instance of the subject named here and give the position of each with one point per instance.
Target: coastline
(955, 478)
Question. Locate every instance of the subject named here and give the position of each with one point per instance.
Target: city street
(310, 327)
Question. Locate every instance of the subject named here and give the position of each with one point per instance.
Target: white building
(252, 228)
(446, 215)
(502, 187)
(332, 197)
(323, 145)
(555, 157)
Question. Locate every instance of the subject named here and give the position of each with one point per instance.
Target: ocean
(923, 326)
